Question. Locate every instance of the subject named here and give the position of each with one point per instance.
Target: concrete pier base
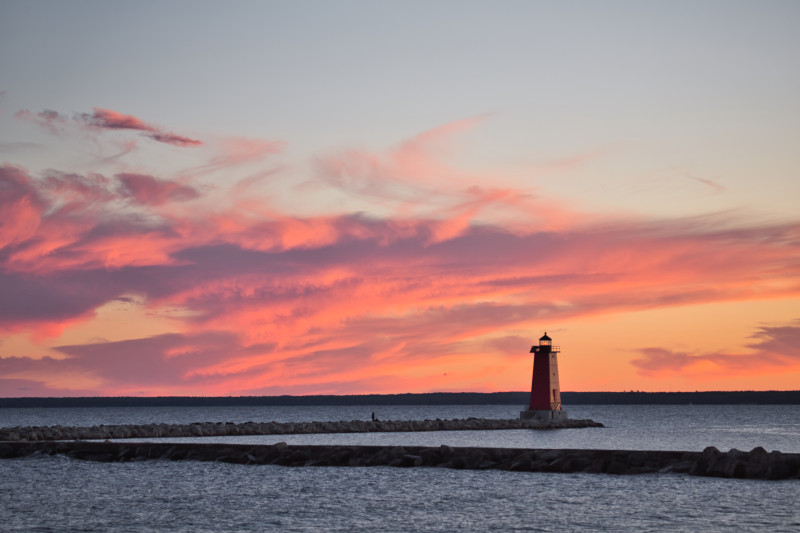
(547, 416)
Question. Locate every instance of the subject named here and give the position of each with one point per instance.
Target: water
(59, 494)
(186, 415)
(632, 427)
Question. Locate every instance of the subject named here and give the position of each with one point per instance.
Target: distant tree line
(433, 398)
(682, 398)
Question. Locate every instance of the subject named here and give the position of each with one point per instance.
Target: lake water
(59, 494)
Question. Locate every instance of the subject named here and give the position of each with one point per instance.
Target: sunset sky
(352, 197)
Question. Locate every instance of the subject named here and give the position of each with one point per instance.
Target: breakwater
(220, 429)
(755, 464)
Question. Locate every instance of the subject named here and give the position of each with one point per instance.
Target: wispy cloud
(716, 187)
(16, 147)
(51, 121)
(103, 119)
(414, 179)
(409, 173)
(150, 190)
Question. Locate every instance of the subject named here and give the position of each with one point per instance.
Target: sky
(360, 197)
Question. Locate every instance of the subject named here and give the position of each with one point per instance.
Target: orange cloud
(775, 347)
(268, 300)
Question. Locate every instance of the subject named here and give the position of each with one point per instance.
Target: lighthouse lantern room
(545, 401)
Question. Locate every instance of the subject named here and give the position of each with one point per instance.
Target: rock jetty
(755, 464)
(220, 429)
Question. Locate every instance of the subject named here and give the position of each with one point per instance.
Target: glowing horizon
(145, 251)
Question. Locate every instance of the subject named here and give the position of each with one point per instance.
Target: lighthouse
(545, 391)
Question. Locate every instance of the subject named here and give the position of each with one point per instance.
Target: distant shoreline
(436, 398)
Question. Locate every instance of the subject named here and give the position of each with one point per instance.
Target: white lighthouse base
(547, 416)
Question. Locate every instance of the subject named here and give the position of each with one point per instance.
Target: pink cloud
(408, 172)
(48, 119)
(414, 180)
(77, 189)
(150, 190)
(66, 230)
(171, 138)
(106, 118)
(271, 300)
(235, 151)
(63, 222)
(103, 119)
(217, 362)
(127, 367)
(238, 150)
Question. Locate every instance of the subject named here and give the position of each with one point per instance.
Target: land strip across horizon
(435, 398)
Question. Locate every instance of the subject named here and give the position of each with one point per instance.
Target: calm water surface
(59, 494)
(641, 427)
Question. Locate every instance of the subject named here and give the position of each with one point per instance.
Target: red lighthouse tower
(545, 391)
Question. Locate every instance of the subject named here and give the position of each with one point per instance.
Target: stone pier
(220, 429)
(755, 464)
